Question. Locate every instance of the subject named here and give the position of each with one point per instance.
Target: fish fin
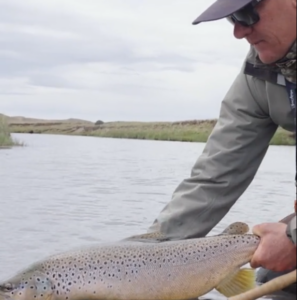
(237, 228)
(237, 283)
(153, 237)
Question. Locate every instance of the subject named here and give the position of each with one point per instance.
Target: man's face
(273, 35)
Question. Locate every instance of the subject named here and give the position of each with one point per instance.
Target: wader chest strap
(291, 88)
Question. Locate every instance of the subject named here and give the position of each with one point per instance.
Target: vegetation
(187, 131)
(5, 136)
(99, 122)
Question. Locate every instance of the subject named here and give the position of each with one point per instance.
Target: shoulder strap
(291, 88)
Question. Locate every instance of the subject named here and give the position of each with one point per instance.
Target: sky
(114, 60)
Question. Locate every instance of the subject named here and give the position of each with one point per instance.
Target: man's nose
(241, 31)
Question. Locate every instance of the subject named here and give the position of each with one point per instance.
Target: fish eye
(7, 287)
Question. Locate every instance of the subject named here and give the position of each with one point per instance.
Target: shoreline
(9, 143)
(6, 141)
(183, 131)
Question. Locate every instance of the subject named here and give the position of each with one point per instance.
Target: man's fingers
(257, 230)
(254, 263)
(261, 229)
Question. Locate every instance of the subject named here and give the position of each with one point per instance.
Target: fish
(137, 269)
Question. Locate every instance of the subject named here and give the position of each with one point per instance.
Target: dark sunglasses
(246, 16)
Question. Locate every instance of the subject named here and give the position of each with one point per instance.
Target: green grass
(155, 131)
(5, 136)
(283, 137)
(185, 131)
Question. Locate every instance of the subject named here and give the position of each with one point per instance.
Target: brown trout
(133, 270)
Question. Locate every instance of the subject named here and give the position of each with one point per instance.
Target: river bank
(6, 141)
(186, 131)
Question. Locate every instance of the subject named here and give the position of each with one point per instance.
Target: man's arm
(227, 166)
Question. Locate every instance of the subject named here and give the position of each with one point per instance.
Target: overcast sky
(114, 60)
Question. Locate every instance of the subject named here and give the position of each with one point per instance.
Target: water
(61, 192)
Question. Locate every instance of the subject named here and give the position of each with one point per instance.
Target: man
(260, 99)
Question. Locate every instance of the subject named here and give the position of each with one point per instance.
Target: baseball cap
(221, 9)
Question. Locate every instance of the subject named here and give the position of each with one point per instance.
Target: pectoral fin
(237, 283)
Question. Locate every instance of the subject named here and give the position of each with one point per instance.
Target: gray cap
(221, 9)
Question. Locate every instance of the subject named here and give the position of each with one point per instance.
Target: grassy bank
(5, 136)
(188, 131)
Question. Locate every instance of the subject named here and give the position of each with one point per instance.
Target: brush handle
(269, 287)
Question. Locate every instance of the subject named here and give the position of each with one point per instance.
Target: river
(61, 192)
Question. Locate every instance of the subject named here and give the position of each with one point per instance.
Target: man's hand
(276, 252)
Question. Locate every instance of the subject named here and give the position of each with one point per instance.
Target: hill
(26, 120)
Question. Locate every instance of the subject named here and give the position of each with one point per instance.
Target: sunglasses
(246, 16)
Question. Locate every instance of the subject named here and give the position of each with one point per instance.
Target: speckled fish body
(131, 270)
